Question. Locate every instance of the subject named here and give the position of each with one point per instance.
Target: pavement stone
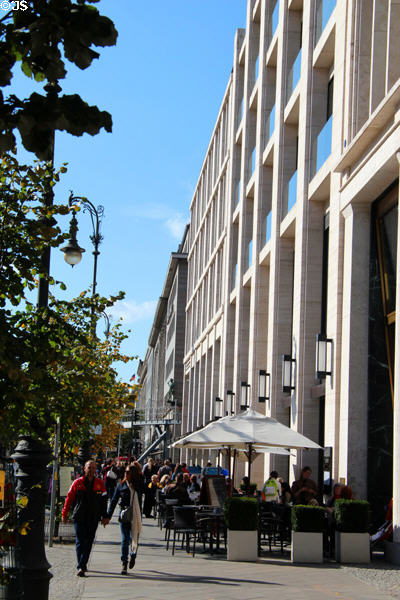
(158, 574)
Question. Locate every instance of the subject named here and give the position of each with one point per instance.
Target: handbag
(126, 515)
(111, 474)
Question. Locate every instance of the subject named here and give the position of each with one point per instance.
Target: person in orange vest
(87, 497)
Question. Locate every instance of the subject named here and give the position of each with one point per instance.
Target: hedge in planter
(352, 516)
(241, 514)
(308, 518)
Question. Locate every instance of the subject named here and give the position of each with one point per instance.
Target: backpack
(270, 490)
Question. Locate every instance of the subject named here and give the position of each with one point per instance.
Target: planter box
(392, 552)
(352, 547)
(242, 545)
(307, 547)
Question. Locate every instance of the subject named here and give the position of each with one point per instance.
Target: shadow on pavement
(158, 576)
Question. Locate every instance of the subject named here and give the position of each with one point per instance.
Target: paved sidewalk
(158, 574)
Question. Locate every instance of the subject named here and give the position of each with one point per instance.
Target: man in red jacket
(87, 497)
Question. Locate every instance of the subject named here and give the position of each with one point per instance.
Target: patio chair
(273, 529)
(185, 524)
(168, 518)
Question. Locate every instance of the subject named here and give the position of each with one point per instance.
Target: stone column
(353, 433)
(396, 405)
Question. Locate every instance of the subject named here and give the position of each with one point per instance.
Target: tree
(41, 39)
(62, 370)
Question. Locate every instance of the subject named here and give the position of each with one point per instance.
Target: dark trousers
(126, 538)
(84, 536)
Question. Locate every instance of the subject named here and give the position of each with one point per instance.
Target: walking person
(87, 497)
(129, 517)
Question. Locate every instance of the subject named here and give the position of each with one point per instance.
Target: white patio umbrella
(244, 432)
(249, 427)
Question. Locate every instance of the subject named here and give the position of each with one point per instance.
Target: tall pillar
(396, 407)
(353, 434)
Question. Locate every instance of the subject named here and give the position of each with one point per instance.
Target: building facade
(161, 371)
(293, 233)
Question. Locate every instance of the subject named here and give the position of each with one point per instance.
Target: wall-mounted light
(218, 406)
(231, 402)
(264, 386)
(287, 373)
(244, 395)
(323, 356)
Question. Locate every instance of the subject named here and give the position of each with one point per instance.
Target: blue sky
(163, 84)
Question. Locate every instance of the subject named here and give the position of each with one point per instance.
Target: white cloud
(176, 226)
(131, 311)
(173, 221)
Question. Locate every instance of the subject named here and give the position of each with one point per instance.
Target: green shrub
(241, 514)
(352, 516)
(308, 518)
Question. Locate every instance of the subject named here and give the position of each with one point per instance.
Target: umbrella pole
(233, 469)
(250, 452)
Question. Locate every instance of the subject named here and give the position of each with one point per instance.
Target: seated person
(304, 489)
(177, 491)
(286, 496)
(337, 489)
(347, 493)
(194, 486)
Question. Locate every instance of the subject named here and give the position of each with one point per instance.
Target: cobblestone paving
(211, 578)
(380, 574)
(64, 585)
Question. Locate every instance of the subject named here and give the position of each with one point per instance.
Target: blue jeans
(126, 539)
(84, 536)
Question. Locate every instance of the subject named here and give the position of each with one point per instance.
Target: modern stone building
(161, 371)
(293, 233)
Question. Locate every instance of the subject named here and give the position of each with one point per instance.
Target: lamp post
(73, 255)
(32, 455)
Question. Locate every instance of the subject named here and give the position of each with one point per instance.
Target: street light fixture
(244, 395)
(231, 402)
(322, 357)
(218, 407)
(287, 373)
(73, 252)
(264, 386)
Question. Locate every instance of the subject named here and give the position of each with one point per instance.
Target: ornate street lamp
(72, 251)
(72, 256)
(264, 386)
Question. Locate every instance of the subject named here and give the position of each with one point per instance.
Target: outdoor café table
(211, 518)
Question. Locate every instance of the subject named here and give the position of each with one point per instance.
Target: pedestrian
(129, 517)
(149, 469)
(87, 497)
(150, 496)
(110, 479)
(165, 469)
